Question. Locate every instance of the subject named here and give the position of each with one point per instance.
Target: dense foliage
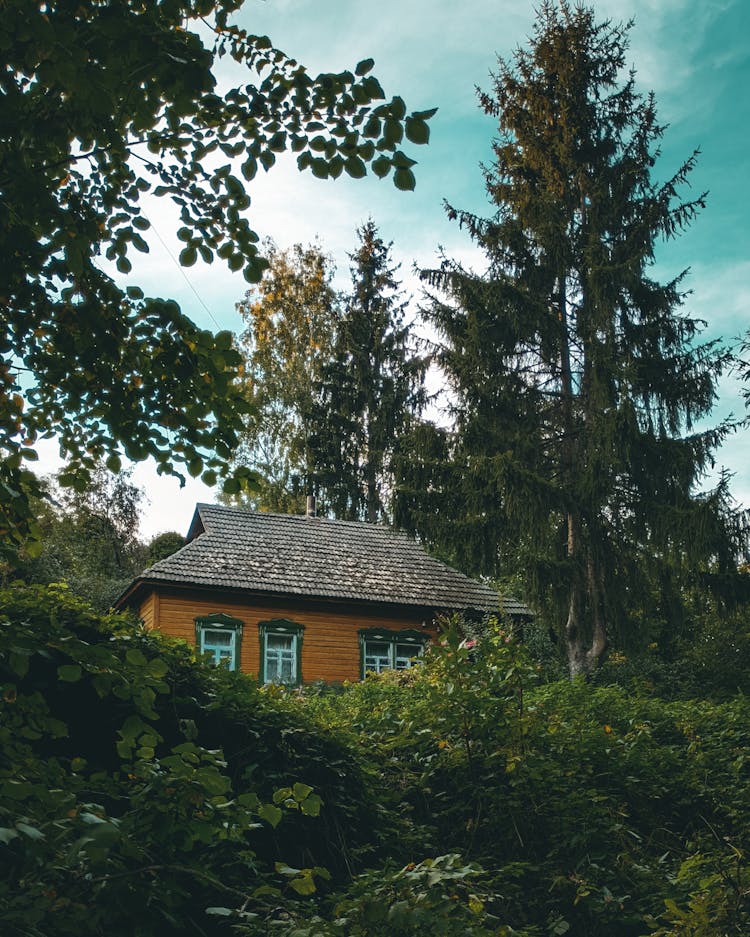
(138, 789)
(579, 386)
(89, 539)
(141, 792)
(590, 811)
(106, 104)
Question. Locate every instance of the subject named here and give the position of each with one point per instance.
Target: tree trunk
(584, 656)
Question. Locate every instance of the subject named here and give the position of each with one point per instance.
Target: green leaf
(355, 167)
(158, 668)
(31, 831)
(304, 885)
(19, 664)
(139, 243)
(69, 673)
(373, 88)
(282, 794)
(249, 168)
(209, 478)
(335, 167)
(381, 166)
(372, 127)
(311, 805)
(418, 131)
(401, 161)
(135, 657)
(404, 179)
(249, 800)
(270, 814)
(267, 159)
(364, 67)
(398, 108)
(301, 791)
(188, 256)
(393, 132)
(231, 486)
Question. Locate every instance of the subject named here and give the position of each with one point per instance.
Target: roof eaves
(128, 592)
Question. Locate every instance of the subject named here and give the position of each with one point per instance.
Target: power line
(184, 275)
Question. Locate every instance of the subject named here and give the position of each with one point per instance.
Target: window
(280, 651)
(218, 637)
(381, 649)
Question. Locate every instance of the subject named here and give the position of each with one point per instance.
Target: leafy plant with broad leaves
(445, 897)
(115, 816)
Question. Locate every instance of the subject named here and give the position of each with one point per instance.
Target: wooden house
(303, 598)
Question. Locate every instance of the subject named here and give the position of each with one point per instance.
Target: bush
(119, 810)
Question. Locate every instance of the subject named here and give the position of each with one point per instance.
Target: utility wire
(184, 275)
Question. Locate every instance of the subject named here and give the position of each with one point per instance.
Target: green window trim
(220, 622)
(281, 627)
(392, 638)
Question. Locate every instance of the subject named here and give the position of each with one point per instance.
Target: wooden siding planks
(330, 646)
(146, 611)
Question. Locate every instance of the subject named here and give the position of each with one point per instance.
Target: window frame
(283, 627)
(220, 621)
(393, 638)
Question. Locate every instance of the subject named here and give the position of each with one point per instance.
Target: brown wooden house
(301, 598)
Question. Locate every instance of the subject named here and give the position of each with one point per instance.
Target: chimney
(310, 510)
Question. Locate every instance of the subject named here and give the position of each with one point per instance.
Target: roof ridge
(231, 508)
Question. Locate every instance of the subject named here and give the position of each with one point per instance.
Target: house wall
(330, 646)
(147, 609)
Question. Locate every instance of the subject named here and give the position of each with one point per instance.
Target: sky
(434, 53)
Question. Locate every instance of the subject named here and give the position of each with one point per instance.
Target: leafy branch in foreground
(105, 106)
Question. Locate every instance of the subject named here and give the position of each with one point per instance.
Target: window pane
(281, 658)
(219, 646)
(404, 655)
(218, 638)
(377, 656)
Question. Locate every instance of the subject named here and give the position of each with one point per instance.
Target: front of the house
(282, 639)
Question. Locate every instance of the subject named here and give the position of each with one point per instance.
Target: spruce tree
(370, 390)
(578, 381)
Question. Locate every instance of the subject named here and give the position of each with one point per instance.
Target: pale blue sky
(695, 57)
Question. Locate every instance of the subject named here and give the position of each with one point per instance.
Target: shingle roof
(317, 557)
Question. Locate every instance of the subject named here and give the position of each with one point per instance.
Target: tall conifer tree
(370, 390)
(578, 381)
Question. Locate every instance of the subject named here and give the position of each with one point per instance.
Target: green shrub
(120, 813)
